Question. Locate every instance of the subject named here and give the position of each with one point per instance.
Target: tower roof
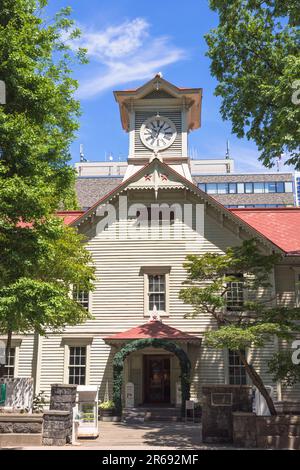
(191, 98)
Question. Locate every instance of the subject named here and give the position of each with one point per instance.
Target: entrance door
(157, 379)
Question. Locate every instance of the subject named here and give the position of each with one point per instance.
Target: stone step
(20, 440)
(152, 414)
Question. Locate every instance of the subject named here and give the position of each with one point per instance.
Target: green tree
(253, 323)
(255, 57)
(40, 258)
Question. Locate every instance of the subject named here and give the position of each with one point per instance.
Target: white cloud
(122, 54)
(115, 41)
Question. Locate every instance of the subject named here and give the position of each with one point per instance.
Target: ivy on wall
(120, 356)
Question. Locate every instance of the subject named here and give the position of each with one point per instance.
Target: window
(297, 286)
(77, 365)
(232, 188)
(211, 188)
(235, 294)
(10, 364)
(288, 187)
(222, 188)
(259, 188)
(248, 188)
(202, 186)
(156, 289)
(81, 296)
(236, 370)
(157, 292)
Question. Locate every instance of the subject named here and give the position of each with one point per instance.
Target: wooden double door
(156, 379)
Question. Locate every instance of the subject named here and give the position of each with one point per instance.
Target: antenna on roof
(227, 155)
(278, 161)
(82, 157)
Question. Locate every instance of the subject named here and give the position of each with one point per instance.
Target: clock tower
(158, 117)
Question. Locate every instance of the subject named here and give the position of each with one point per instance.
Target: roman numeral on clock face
(158, 132)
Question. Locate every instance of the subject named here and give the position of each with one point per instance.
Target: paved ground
(155, 436)
(146, 436)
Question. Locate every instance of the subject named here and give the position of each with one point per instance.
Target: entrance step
(143, 414)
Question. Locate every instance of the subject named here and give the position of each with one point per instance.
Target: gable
(158, 176)
(158, 94)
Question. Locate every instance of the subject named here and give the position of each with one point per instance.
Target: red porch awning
(153, 329)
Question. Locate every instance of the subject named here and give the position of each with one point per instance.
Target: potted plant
(107, 410)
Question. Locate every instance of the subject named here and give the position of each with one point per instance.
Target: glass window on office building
(248, 188)
(259, 188)
(211, 188)
(232, 188)
(222, 188)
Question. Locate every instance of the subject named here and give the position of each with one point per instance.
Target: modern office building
(214, 176)
(297, 187)
(249, 190)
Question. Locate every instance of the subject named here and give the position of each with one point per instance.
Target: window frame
(15, 344)
(237, 307)
(81, 367)
(228, 366)
(73, 343)
(8, 366)
(297, 286)
(89, 297)
(147, 271)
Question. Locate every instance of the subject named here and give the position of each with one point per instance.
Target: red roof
(280, 226)
(69, 216)
(153, 329)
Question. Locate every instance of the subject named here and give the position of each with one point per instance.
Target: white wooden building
(139, 256)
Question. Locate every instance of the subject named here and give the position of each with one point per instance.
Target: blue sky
(129, 41)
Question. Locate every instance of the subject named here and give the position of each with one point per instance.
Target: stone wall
(63, 398)
(20, 429)
(56, 431)
(54, 427)
(219, 401)
(266, 432)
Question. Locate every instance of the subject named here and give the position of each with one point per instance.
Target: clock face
(158, 133)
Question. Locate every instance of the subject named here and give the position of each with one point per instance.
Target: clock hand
(160, 128)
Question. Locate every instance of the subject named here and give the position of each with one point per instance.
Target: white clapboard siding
(52, 362)
(285, 285)
(174, 150)
(26, 353)
(117, 303)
